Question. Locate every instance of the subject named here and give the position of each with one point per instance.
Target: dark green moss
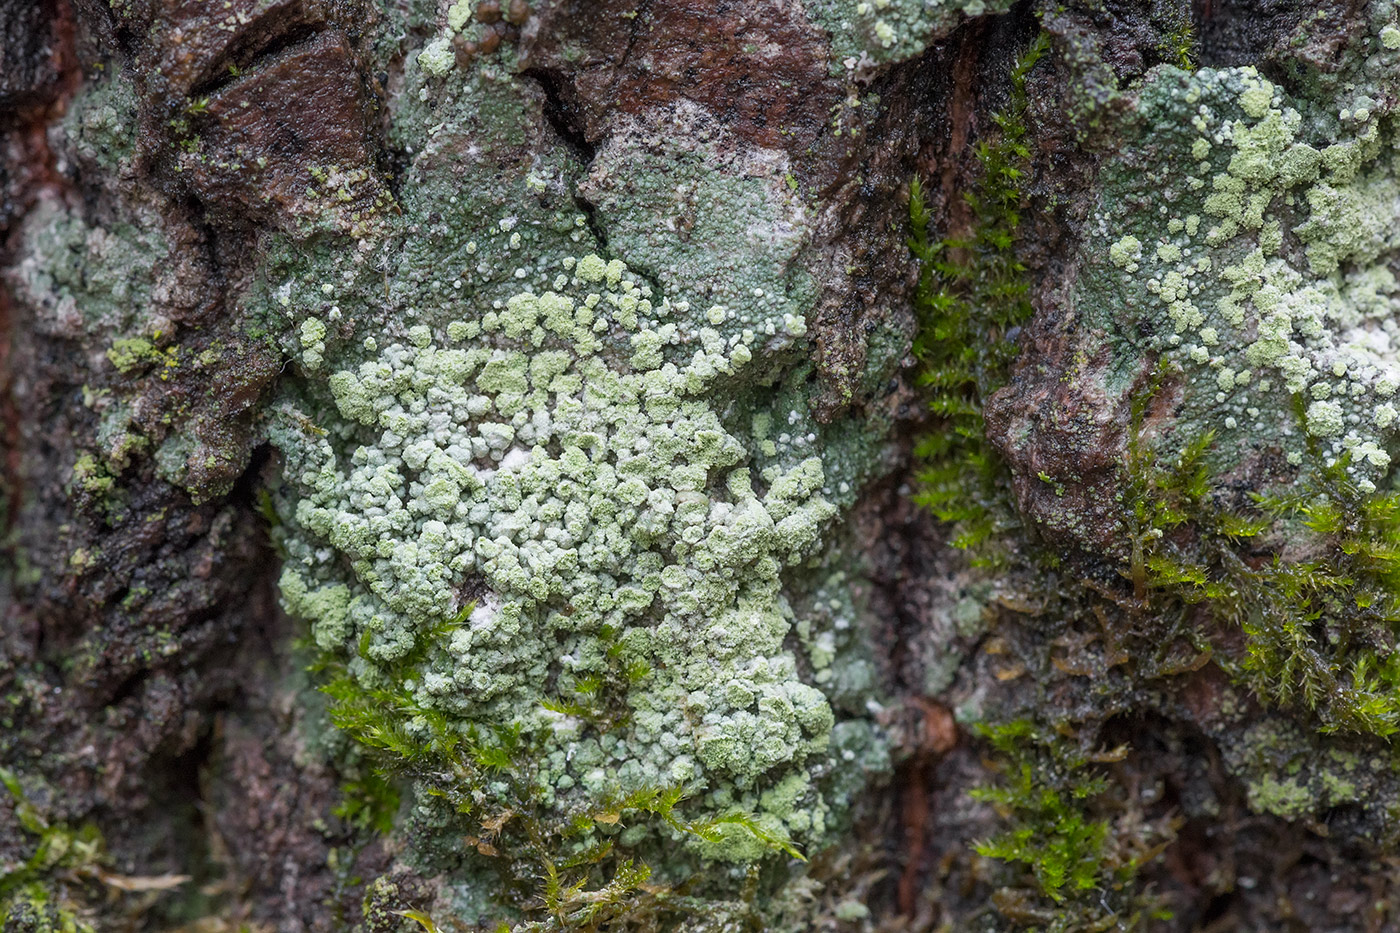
(1178, 46)
(1042, 788)
(1078, 861)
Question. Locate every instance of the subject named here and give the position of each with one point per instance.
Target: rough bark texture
(553, 382)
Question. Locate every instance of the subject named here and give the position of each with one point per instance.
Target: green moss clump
(972, 293)
(1069, 831)
(1043, 790)
(1178, 45)
(44, 893)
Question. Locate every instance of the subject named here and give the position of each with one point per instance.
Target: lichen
(611, 520)
(865, 32)
(1243, 259)
(107, 275)
(437, 57)
(1264, 269)
(559, 516)
(1286, 777)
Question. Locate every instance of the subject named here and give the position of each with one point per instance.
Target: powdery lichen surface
(615, 469)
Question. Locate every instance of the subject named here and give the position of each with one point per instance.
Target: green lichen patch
(1239, 262)
(90, 276)
(606, 512)
(33, 894)
(1286, 777)
(132, 283)
(869, 32)
(132, 354)
(560, 517)
(1265, 272)
(739, 227)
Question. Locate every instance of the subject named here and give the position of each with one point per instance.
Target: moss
(41, 894)
(610, 456)
(973, 292)
(1055, 804)
(1049, 832)
(1309, 623)
(30, 909)
(559, 870)
(1178, 43)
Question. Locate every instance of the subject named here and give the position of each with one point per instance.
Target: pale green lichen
(459, 14)
(109, 275)
(1325, 419)
(1280, 284)
(1288, 774)
(1126, 252)
(648, 175)
(1281, 797)
(437, 57)
(313, 342)
(612, 458)
(607, 515)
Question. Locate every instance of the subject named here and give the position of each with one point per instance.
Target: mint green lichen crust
(581, 501)
(1245, 249)
(552, 464)
(867, 32)
(1253, 247)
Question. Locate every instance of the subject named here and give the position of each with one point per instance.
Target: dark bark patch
(293, 124)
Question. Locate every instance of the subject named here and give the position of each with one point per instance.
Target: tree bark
(574, 464)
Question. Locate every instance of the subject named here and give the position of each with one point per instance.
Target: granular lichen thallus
(558, 462)
(556, 509)
(1265, 274)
